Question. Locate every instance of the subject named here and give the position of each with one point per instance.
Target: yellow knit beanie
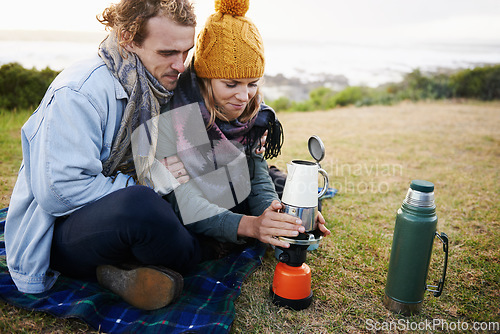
(229, 46)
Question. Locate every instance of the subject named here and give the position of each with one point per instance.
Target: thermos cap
(420, 194)
(422, 186)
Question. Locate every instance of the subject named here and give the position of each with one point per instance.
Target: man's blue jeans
(133, 225)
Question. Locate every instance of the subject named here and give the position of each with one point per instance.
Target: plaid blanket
(206, 305)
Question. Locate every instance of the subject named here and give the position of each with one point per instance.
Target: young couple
(113, 182)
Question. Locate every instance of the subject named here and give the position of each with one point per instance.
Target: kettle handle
(325, 179)
(444, 239)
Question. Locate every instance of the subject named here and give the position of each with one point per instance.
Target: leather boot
(147, 287)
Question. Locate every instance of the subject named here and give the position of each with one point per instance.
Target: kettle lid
(316, 148)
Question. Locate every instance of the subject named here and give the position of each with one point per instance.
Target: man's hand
(176, 167)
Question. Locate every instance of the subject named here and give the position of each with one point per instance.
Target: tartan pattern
(206, 304)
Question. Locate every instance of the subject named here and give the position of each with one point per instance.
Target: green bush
(417, 86)
(281, 104)
(480, 83)
(320, 97)
(350, 95)
(21, 88)
(302, 106)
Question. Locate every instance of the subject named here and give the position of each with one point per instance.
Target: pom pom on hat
(230, 45)
(232, 7)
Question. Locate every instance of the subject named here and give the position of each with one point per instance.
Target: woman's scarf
(223, 154)
(146, 95)
(247, 134)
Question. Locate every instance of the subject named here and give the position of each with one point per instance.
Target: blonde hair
(207, 92)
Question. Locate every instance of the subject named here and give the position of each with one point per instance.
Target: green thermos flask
(414, 235)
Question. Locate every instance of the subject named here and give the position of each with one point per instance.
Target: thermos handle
(325, 178)
(439, 288)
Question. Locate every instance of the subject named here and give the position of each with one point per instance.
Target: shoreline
(293, 69)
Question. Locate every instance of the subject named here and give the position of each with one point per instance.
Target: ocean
(360, 63)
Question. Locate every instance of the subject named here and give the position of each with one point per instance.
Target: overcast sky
(337, 20)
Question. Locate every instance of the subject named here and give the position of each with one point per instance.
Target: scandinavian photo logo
(361, 178)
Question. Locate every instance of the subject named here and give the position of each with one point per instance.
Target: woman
(219, 92)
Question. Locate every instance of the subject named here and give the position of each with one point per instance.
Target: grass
(372, 154)
(10, 150)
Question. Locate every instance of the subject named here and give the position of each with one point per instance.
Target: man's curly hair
(128, 18)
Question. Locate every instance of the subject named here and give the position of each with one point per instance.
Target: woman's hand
(321, 224)
(176, 168)
(270, 225)
(260, 148)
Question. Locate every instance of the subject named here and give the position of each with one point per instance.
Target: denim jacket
(64, 144)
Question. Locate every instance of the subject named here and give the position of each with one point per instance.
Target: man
(77, 204)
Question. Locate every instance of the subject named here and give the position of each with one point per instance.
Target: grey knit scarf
(146, 95)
